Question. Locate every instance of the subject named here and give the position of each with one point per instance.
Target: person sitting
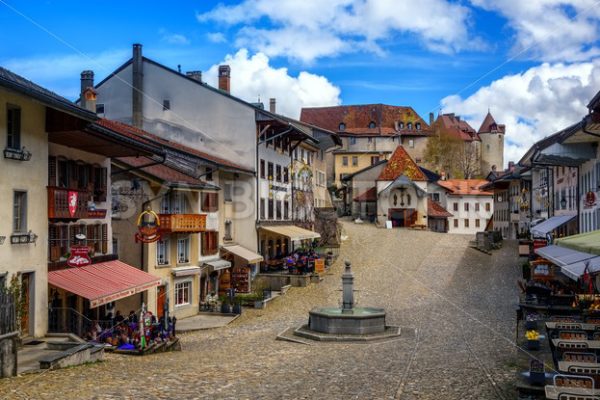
(133, 318)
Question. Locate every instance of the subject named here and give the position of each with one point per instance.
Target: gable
(400, 163)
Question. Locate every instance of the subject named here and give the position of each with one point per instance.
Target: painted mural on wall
(303, 194)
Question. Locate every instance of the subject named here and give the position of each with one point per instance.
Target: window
(278, 208)
(286, 210)
(455, 223)
(99, 108)
(228, 192)
(467, 207)
(488, 207)
(370, 139)
(418, 126)
(210, 202)
(286, 175)
(455, 206)
(210, 243)
(262, 208)
(476, 206)
(342, 126)
(476, 223)
(411, 143)
(166, 105)
(345, 161)
(13, 127)
(435, 196)
(162, 252)
(270, 171)
(409, 125)
(354, 161)
(209, 174)
(401, 125)
(262, 169)
(183, 250)
(183, 293)
(466, 223)
(271, 209)
(352, 140)
(278, 173)
(372, 125)
(374, 160)
(19, 212)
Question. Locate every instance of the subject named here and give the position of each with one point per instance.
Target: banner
(72, 197)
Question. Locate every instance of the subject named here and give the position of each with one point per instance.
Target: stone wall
(8, 354)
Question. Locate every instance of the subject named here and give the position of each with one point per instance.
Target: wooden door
(25, 296)
(161, 294)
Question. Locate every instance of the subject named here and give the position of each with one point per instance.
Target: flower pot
(533, 345)
(225, 308)
(237, 308)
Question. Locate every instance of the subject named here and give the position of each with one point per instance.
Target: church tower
(492, 145)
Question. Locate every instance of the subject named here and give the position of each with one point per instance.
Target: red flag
(72, 199)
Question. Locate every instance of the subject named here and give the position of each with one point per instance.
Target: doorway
(402, 217)
(161, 296)
(27, 305)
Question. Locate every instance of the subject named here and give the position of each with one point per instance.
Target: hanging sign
(79, 257)
(590, 199)
(148, 225)
(72, 197)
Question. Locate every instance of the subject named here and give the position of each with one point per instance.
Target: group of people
(132, 333)
(301, 261)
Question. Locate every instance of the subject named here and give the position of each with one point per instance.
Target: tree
(450, 154)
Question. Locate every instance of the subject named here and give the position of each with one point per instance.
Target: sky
(534, 64)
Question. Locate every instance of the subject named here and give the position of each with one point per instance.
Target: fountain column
(347, 289)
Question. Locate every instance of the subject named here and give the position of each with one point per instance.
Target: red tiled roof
(161, 171)
(399, 164)
(465, 186)
(457, 127)
(358, 117)
(489, 125)
(140, 134)
(436, 210)
(369, 195)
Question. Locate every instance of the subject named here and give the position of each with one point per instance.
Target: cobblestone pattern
(461, 302)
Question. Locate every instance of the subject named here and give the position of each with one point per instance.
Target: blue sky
(534, 64)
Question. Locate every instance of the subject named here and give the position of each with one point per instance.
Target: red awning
(102, 283)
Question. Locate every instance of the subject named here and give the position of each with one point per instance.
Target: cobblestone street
(461, 303)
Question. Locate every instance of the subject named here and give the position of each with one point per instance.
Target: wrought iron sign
(23, 238)
(17, 154)
(148, 225)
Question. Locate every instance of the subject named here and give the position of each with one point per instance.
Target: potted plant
(237, 306)
(225, 306)
(533, 340)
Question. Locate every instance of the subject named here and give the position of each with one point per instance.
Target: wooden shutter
(54, 244)
(104, 238)
(72, 233)
(52, 171)
(90, 237)
(204, 237)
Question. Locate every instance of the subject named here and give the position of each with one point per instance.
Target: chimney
(224, 78)
(511, 166)
(273, 105)
(137, 97)
(430, 119)
(196, 75)
(88, 94)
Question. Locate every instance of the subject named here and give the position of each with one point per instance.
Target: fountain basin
(355, 321)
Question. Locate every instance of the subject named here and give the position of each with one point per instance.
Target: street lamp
(563, 203)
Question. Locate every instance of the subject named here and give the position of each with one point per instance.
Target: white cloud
(307, 30)
(173, 38)
(551, 30)
(216, 37)
(253, 76)
(533, 104)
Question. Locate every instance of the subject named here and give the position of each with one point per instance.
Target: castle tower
(492, 145)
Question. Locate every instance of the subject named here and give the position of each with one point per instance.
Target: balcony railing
(182, 223)
(58, 203)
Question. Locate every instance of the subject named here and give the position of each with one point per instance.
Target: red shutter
(52, 171)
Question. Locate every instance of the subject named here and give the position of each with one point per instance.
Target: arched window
(409, 125)
(372, 125)
(342, 126)
(418, 126)
(401, 125)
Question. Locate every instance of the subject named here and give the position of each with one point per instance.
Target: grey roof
(17, 83)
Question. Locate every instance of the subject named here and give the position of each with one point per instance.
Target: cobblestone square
(459, 303)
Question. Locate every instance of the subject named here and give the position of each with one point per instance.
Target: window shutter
(204, 243)
(51, 171)
(72, 233)
(104, 238)
(89, 234)
(54, 242)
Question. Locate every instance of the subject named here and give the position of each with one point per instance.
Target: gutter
(584, 123)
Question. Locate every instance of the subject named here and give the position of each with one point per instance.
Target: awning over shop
(291, 231)
(576, 270)
(248, 255)
(562, 256)
(186, 271)
(102, 283)
(544, 228)
(218, 263)
(587, 242)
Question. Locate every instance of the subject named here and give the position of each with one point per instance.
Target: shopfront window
(183, 293)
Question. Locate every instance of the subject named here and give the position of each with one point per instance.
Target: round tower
(492, 145)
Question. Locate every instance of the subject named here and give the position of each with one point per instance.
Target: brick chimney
(430, 119)
(196, 75)
(273, 105)
(88, 94)
(137, 97)
(224, 78)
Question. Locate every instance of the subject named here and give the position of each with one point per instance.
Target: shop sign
(79, 257)
(72, 197)
(148, 225)
(96, 214)
(590, 199)
(320, 265)
(278, 188)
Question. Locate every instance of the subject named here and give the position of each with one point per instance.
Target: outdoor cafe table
(552, 391)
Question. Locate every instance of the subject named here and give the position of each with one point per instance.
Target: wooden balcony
(58, 203)
(182, 223)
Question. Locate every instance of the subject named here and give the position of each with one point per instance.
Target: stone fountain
(347, 323)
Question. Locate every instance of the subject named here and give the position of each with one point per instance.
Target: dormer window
(418, 126)
(409, 126)
(342, 126)
(401, 125)
(372, 125)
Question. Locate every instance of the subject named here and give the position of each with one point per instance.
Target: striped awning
(104, 282)
(291, 231)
